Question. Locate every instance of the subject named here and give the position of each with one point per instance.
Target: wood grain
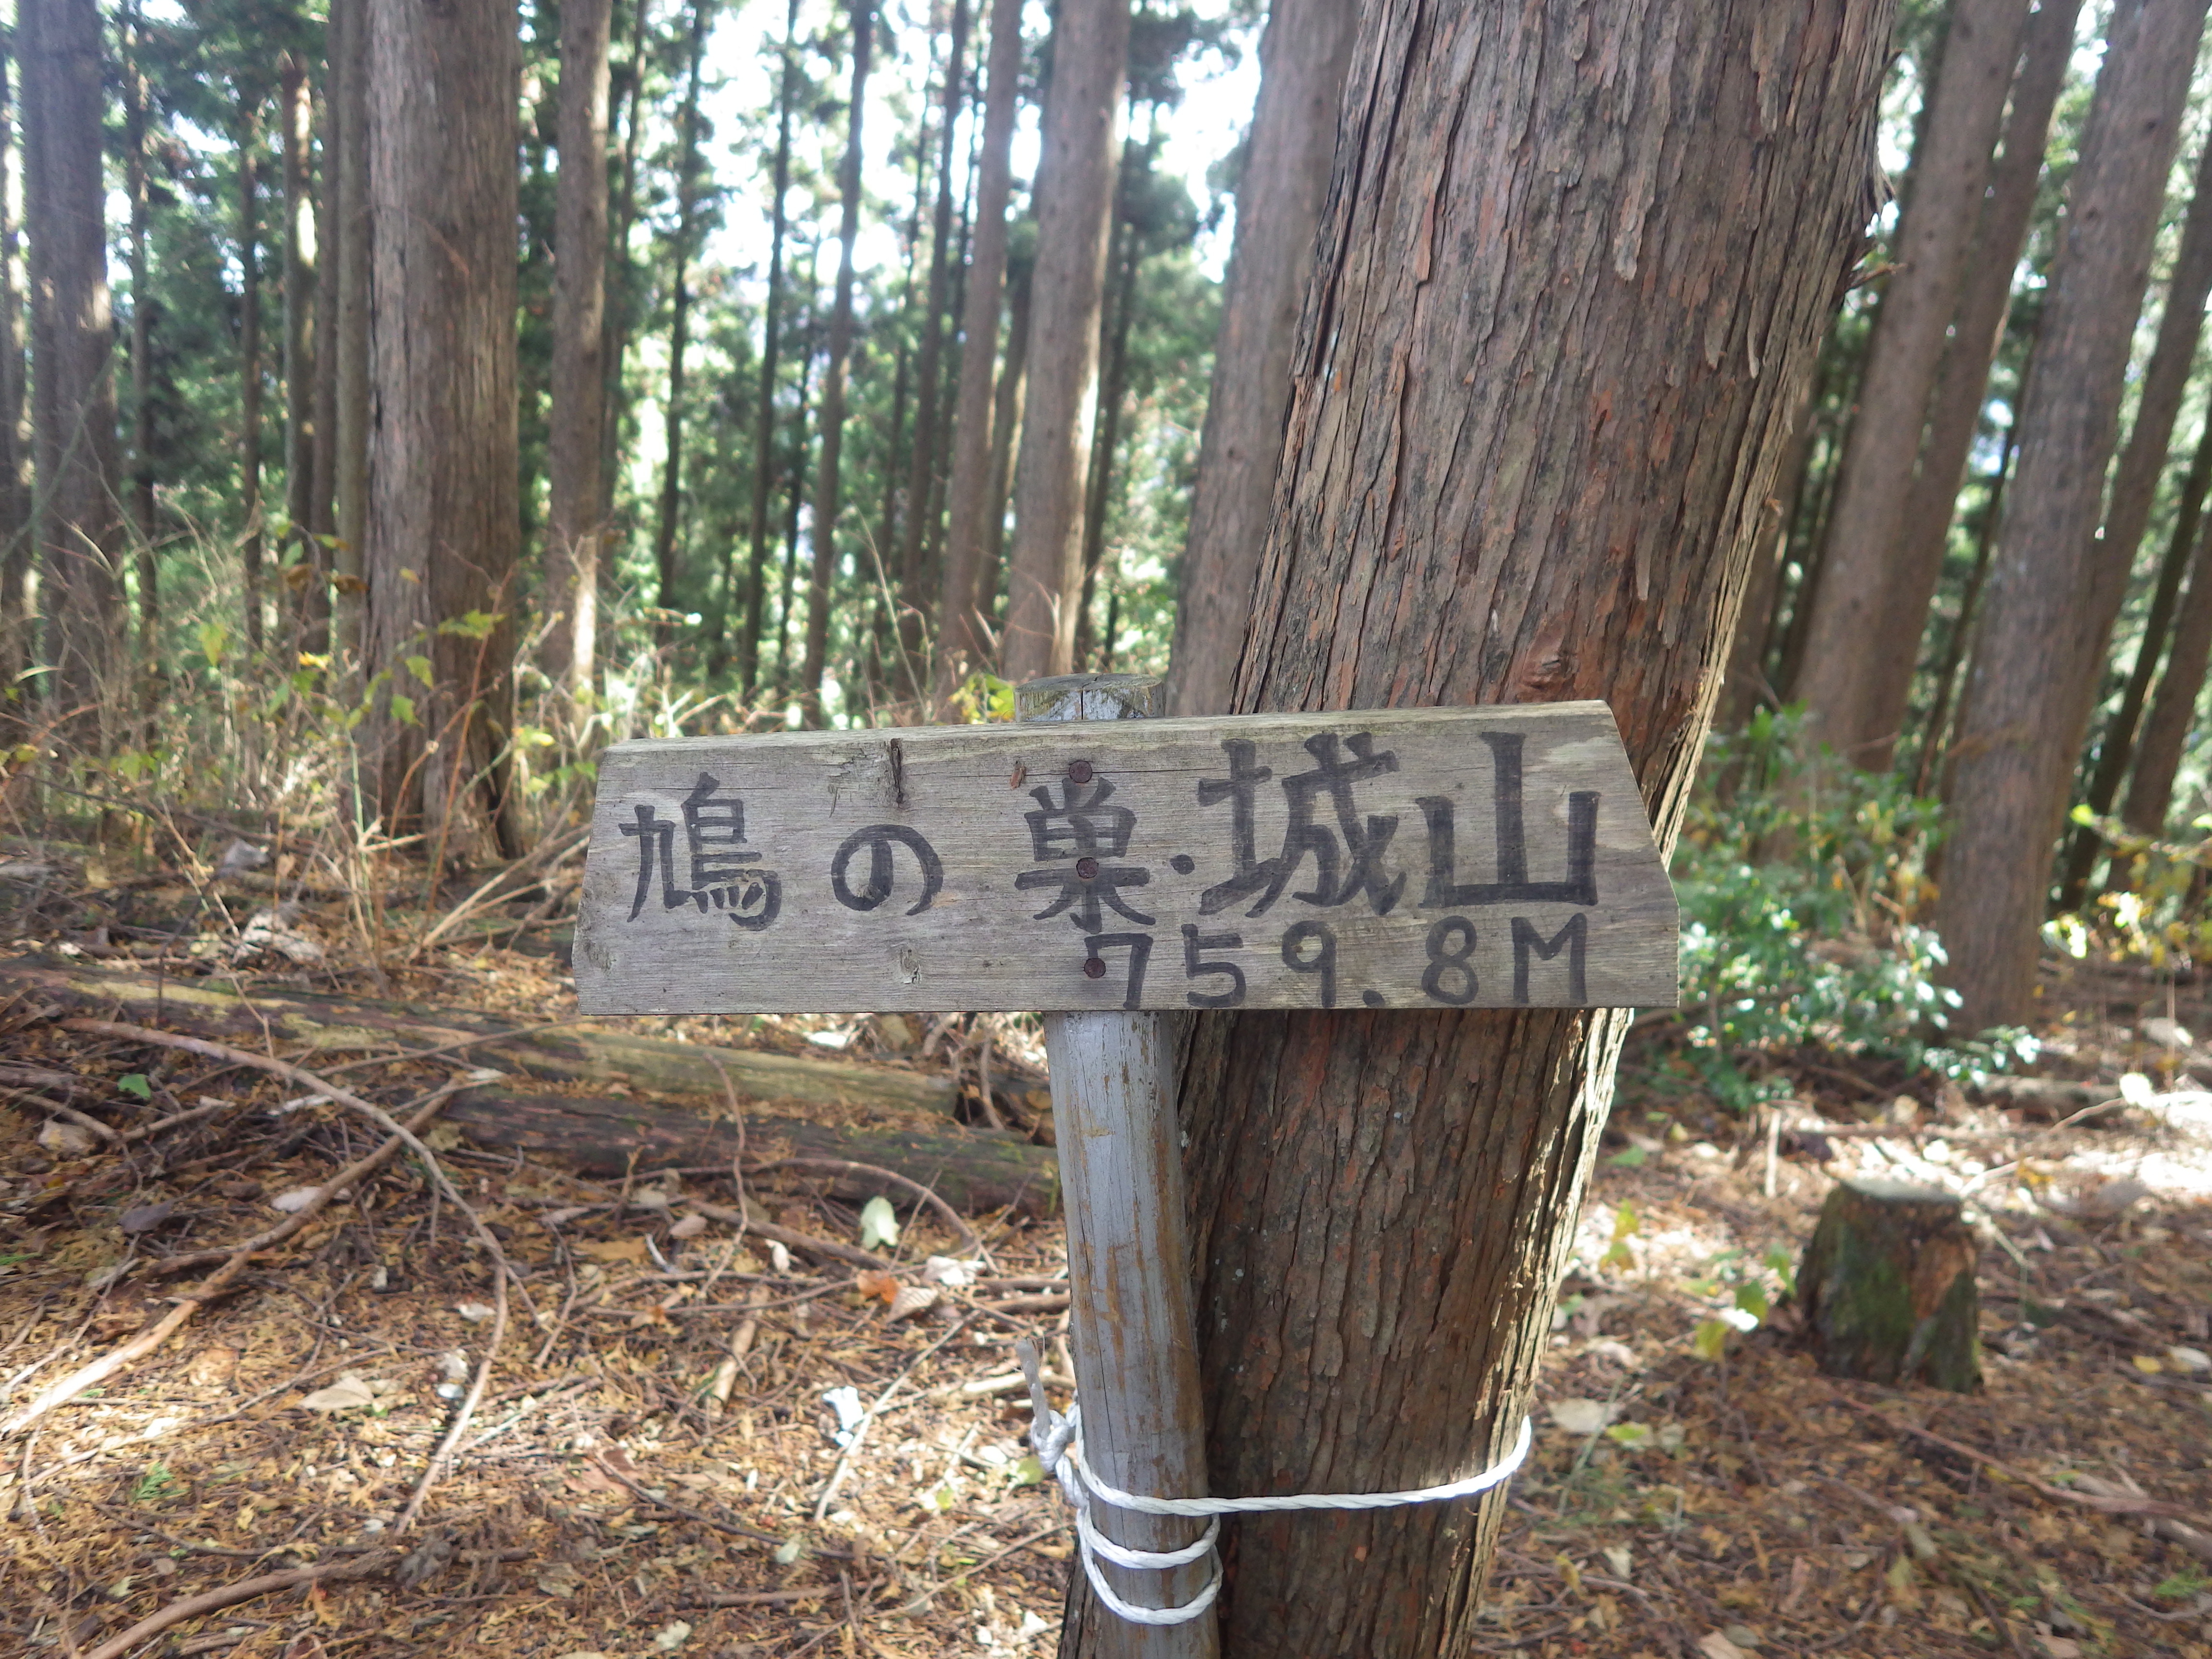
(984, 867)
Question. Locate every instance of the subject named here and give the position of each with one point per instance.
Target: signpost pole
(1135, 1348)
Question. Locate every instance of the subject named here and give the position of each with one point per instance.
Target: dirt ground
(657, 1464)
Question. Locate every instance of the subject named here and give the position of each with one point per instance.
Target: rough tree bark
(764, 467)
(2042, 636)
(1279, 199)
(1954, 409)
(574, 518)
(1744, 688)
(1849, 664)
(2173, 709)
(1571, 282)
(357, 290)
(833, 379)
(295, 110)
(444, 517)
(80, 530)
(1075, 201)
(962, 630)
(1933, 738)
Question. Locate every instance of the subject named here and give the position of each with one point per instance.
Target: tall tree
(357, 247)
(916, 580)
(2173, 709)
(15, 480)
(828, 463)
(72, 335)
(444, 519)
(1076, 170)
(2045, 620)
(575, 512)
(249, 353)
(764, 458)
(144, 524)
(1006, 408)
(1528, 293)
(688, 187)
(622, 281)
(322, 514)
(295, 110)
(1852, 669)
(1954, 408)
(962, 633)
(1279, 199)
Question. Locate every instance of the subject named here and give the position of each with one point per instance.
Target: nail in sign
(1489, 857)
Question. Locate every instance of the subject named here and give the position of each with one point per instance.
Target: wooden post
(1135, 1349)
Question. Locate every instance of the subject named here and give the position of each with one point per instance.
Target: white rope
(1059, 1443)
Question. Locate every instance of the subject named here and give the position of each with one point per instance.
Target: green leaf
(402, 709)
(878, 1224)
(1709, 1340)
(1752, 1298)
(1634, 1435)
(136, 1082)
(1027, 1473)
(420, 667)
(473, 625)
(789, 1551)
(1634, 1159)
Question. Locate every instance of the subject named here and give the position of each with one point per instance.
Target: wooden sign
(1487, 857)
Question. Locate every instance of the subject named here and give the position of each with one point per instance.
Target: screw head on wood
(1079, 771)
(1087, 868)
(1094, 967)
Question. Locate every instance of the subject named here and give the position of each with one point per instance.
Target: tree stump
(1888, 1287)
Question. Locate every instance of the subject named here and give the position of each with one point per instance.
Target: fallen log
(971, 1169)
(307, 1024)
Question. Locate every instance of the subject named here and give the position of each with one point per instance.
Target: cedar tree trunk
(573, 518)
(295, 110)
(1075, 201)
(445, 522)
(2044, 615)
(1279, 199)
(2173, 710)
(15, 526)
(1570, 281)
(664, 560)
(249, 359)
(356, 289)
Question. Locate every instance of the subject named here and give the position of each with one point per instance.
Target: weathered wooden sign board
(1487, 857)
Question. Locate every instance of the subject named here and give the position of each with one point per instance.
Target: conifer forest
(403, 401)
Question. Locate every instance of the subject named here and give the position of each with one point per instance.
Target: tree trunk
(1558, 246)
(357, 233)
(1888, 1287)
(1954, 411)
(442, 86)
(622, 270)
(1075, 206)
(1127, 251)
(322, 517)
(2042, 632)
(249, 362)
(16, 529)
(72, 331)
(1278, 201)
(833, 381)
(1744, 686)
(914, 573)
(144, 523)
(575, 512)
(795, 489)
(2173, 710)
(1005, 433)
(2118, 744)
(294, 109)
(1935, 740)
(764, 467)
(664, 560)
(1854, 673)
(961, 609)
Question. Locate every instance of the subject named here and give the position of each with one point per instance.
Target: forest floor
(659, 1463)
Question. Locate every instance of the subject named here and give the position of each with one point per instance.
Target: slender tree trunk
(1005, 432)
(1954, 415)
(443, 84)
(794, 494)
(357, 232)
(2173, 709)
(295, 110)
(575, 509)
(79, 531)
(1075, 202)
(144, 522)
(249, 361)
(915, 577)
(622, 270)
(1854, 673)
(1278, 201)
(833, 380)
(882, 570)
(322, 517)
(16, 529)
(665, 558)
(2042, 638)
(961, 612)
(1744, 687)
(1926, 774)
(1382, 1202)
(1113, 390)
(764, 467)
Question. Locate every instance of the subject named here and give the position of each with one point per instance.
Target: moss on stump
(1888, 1287)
